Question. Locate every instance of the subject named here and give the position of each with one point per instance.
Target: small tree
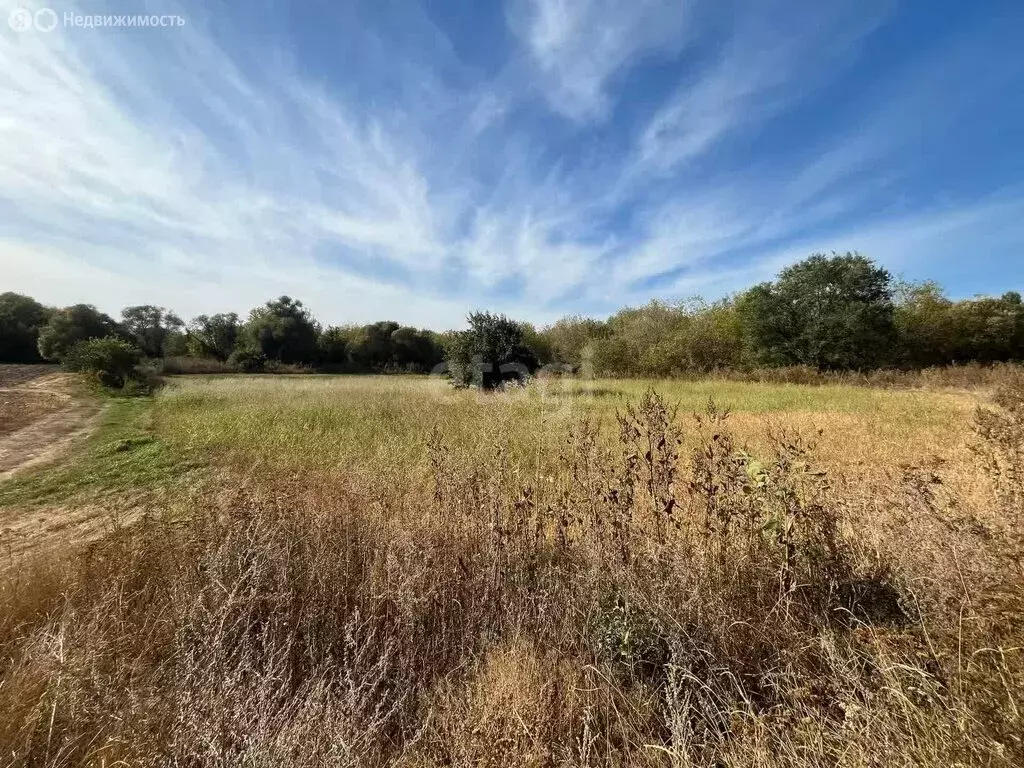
(110, 360)
(333, 345)
(489, 353)
(538, 344)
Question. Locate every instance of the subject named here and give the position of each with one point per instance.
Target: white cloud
(155, 167)
(579, 45)
(89, 160)
(774, 55)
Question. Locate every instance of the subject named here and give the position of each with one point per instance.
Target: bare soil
(41, 414)
(13, 375)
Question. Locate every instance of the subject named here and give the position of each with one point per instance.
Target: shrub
(111, 361)
(247, 360)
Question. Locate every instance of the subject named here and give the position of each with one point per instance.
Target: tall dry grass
(644, 602)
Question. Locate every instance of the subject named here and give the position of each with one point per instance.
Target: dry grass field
(344, 570)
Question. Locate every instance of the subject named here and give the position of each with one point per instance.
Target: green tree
(176, 344)
(415, 350)
(828, 312)
(989, 329)
(214, 336)
(572, 339)
(926, 325)
(282, 330)
(333, 346)
(66, 327)
(371, 347)
(713, 336)
(490, 352)
(21, 318)
(647, 341)
(149, 327)
(538, 344)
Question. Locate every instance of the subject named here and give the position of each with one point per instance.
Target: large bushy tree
(371, 347)
(21, 319)
(990, 329)
(830, 312)
(149, 327)
(214, 336)
(66, 327)
(415, 349)
(489, 353)
(283, 330)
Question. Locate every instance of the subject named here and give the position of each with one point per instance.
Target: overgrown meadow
(334, 570)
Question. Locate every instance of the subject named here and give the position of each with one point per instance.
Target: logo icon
(20, 19)
(45, 20)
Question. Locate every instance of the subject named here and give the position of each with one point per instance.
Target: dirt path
(40, 417)
(42, 412)
(13, 374)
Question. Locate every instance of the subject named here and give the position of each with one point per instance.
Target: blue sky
(538, 157)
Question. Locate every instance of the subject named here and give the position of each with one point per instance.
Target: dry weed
(644, 604)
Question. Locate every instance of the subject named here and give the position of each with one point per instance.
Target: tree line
(829, 312)
(281, 331)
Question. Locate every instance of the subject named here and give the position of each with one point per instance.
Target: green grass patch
(124, 457)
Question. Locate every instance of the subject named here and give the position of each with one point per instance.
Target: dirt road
(41, 414)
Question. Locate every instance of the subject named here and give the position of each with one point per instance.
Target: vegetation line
(838, 313)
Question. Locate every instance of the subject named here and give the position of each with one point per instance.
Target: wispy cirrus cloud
(774, 54)
(410, 176)
(578, 46)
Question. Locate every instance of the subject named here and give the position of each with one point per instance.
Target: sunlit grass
(381, 426)
(378, 570)
(386, 422)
